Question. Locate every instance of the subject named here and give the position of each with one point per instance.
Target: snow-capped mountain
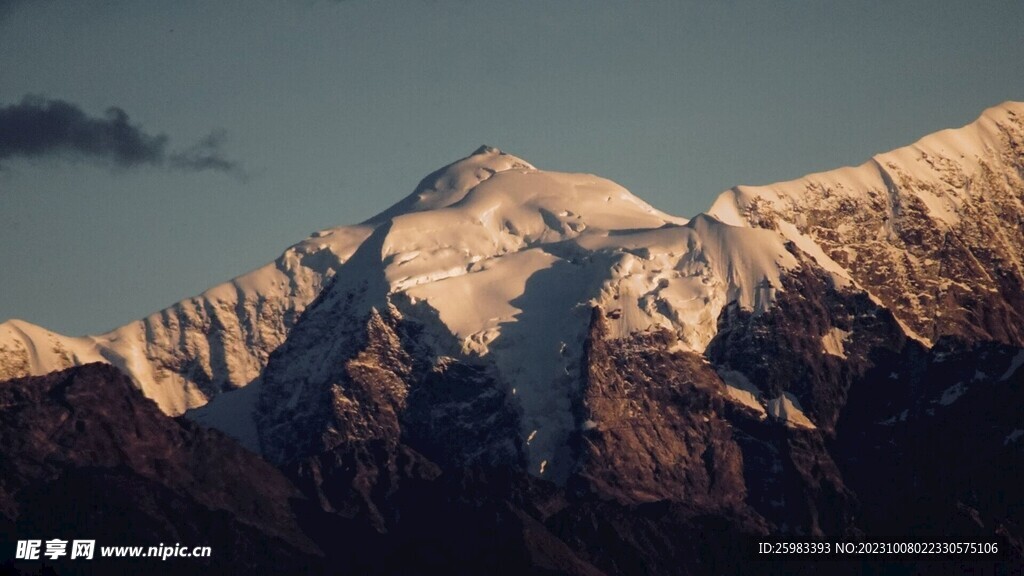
(556, 325)
(220, 340)
(547, 355)
(932, 231)
(503, 270)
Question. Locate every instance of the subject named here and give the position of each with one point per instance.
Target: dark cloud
(39, 127)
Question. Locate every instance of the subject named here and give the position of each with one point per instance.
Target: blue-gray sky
(255, 123)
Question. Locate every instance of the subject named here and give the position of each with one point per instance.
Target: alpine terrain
(513, 370)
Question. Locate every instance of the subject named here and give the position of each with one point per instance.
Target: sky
(152, 149)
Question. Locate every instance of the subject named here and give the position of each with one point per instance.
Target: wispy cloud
(205, 155)
(40, 127)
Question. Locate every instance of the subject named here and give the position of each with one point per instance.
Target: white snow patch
(1013, 436)
(786, 408)
(1015, 365)
(840, 277)
(834, 342)
(740, 389)
(952, 394)
(232, 413)
(902, 417)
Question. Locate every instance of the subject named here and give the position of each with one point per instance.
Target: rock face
(652, 425)
(947, 433)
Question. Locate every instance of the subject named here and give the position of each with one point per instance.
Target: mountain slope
(83, 450)
(220, 340)
(935, 230)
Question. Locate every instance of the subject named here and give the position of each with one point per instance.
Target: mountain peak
(485, 149)
(1012, 107)
(449, 184)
